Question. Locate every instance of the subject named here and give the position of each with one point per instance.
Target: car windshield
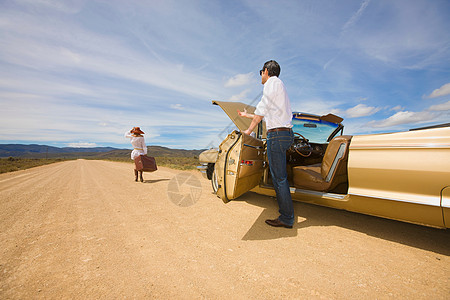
(315, 130)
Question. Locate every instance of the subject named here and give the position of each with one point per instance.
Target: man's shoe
(277, 223)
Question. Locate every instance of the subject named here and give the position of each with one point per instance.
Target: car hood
(231, 108)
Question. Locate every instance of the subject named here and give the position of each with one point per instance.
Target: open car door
(239, 166)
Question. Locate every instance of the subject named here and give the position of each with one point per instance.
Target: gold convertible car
(402, 176)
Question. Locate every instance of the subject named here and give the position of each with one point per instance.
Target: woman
(138, 142)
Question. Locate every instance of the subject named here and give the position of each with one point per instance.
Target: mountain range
(44, 151)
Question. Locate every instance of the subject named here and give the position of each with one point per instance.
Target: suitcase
(145, 163)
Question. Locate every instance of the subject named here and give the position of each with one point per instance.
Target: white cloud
(81, 145)
(361, 110)
(317, 106)
(397, 108)
(440, 107)
(404, 117)
(242, 96)
(71, 56)
(95, 54)
(240, 80)
(442, 91)
(355, 17)
(177, 106)
(337, 112)
(90, 76)
(70, 7)
(412, 37)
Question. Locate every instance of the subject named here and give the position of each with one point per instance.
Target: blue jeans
(277, 144)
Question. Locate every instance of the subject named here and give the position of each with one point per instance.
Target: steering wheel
(302, 147)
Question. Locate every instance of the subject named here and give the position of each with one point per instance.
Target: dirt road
(84, 230)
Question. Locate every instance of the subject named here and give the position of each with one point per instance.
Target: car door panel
(239, 165)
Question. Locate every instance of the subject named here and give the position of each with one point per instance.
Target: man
(275, 108)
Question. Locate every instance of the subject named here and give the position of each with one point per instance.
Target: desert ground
(86, 230)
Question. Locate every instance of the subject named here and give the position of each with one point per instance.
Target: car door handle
(256, 147)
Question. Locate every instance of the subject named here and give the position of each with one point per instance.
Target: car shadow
(426, 238)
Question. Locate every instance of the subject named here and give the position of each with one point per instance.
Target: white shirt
(138, 143)
(275, 106)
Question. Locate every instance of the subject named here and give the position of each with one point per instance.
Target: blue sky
(81, 73)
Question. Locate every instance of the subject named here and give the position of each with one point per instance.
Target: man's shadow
(155, 180)
(306, 215)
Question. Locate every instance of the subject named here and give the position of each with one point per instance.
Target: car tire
(210, 170)
(214, 182)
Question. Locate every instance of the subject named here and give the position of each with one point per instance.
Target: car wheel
(210, 170)
(214, 183)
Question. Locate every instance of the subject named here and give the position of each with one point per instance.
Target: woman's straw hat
(137, 130)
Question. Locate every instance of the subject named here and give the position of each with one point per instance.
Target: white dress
(138, 143)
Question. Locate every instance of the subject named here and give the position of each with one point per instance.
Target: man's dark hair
(273, 67)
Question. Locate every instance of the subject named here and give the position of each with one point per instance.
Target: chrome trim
(294, 190)
(393, 199)
(202, 168)
(339, 155)
(321, 194)
(256, 147)
(341, 197)
(368, 147)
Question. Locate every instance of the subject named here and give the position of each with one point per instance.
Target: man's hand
(242, 113)
(245, 114)
(247, 132)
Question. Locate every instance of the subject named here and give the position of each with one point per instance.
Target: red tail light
(247, 162)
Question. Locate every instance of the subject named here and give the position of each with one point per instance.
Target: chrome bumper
(203, 168)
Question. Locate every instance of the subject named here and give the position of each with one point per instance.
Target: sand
(85, 230)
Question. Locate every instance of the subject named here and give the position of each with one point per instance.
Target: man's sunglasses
(260, 72)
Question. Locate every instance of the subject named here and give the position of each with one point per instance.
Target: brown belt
(279, 129)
